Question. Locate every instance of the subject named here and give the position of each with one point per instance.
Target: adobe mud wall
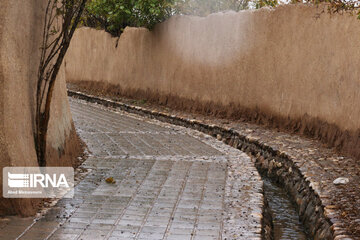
(20, 39)
(295, 67)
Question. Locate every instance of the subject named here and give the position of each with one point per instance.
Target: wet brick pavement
(319, 165)
(171, 183)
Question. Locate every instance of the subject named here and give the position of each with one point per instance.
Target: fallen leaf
(110, 180)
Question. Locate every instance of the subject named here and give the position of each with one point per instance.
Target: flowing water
(287, 225)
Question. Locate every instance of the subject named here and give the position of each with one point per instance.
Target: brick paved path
(171, 183)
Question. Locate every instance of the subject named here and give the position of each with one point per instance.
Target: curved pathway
(170, 183)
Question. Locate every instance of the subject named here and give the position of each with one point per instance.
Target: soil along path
(163, 182)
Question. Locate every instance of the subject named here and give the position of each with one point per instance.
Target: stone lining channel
(270, 162)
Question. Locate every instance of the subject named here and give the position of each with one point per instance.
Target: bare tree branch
(52, 54)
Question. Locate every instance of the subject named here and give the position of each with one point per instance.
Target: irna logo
(35, 180)
(38, 182)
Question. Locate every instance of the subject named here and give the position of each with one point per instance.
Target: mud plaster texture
(20, 38)
(293, 67)
(304, 167)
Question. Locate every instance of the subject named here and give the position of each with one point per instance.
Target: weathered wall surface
(292, 67)
(20, 38)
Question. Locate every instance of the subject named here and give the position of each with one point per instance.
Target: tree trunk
(48, 72)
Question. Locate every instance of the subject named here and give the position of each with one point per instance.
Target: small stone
(341, 180)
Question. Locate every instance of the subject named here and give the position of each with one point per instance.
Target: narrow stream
(287, 225)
